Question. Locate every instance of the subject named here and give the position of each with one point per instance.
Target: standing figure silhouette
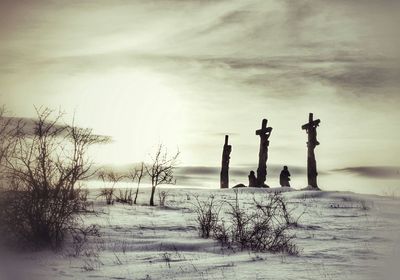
(284, 178)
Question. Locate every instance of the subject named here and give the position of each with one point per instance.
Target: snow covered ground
(341, 236)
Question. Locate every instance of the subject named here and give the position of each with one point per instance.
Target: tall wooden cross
(224, 178)
(264, 133)
(311, 129)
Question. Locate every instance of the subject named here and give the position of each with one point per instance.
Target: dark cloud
(26, 126)
(359, 77)
(380, 172)
(345, 71)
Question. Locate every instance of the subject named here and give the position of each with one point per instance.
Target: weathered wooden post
(225, 164)
(311, 129)
(264, 134)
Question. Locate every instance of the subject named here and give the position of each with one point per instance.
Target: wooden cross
(311, 123)
(311, 129)
(264, 133)
(264, 129)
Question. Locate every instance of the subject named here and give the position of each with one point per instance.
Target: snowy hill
(340, 236)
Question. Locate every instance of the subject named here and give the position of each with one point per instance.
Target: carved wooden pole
(264, 134)
(225, 164)
(311, 129)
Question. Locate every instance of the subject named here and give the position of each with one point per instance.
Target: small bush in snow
(162, 197)
(110, 179)
(207, 215)
(264, 228)
(108, 195)
(124, 196)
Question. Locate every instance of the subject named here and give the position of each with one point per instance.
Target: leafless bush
(264, 228)
(161, 170)
(282, 209)
(222, 233)
(43, 166)
(108, 195)
(207, 215)
(110, 179)
(80, 238)
(162, 197)
(124, 196)
(136, 175)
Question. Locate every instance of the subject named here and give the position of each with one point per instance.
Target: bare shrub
(108, 195)
(207, 215)
(42, 200)
(124, 196)
(282, 209)
(162, 197)
(222, 233)
(110, 179)
(264, 228)
(80, 238)
(161, 170)
(136, 175)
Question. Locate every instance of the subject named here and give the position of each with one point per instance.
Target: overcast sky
(187, 72)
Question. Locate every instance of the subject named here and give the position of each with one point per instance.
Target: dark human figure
(252, 179)
(264, 133)
(284, 178)
(225, 164)
(311, 129)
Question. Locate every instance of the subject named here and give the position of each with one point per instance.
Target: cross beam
(264, 129)
(311, 122)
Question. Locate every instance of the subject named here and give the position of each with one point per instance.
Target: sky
(185, 73)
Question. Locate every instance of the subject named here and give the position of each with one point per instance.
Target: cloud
(27, 127)
(380, 172)
(270, 46)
